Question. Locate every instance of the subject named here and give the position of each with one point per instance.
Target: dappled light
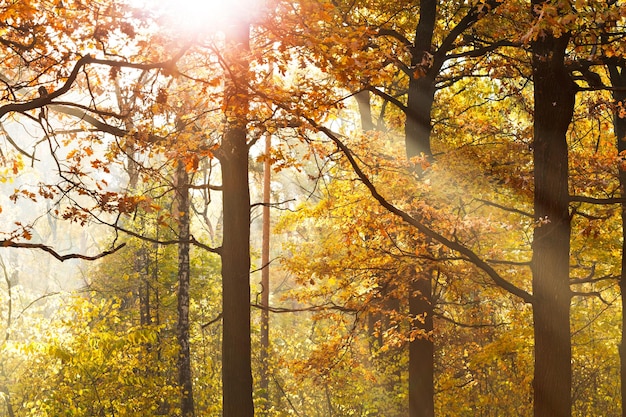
(312, 208)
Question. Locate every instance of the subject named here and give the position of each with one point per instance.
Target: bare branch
(599, 201)
(210, 322)
(62, 258)
(591, 294)
(205, 187)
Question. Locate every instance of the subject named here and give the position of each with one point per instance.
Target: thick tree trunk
(421, 93)
(618, 80)
(236, 350)
(184, 355)
(365, 110)
(554, 95)
(622, 278)
(235, 251)
(265, 277)
(421, 348)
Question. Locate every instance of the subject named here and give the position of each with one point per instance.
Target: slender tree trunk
(554, 95)
(7, 400)
(421, 93)
(7, 333)
(421, 348)
(142, 267)
(184, 355)
(265, 277)
(235, 251)
(618, 79)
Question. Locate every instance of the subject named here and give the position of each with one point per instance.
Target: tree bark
(421, 93)
(421, 348)
(365, 110)
(618, 80)
(420, 99)
(235, 250)
(554, 96)
(184, 355)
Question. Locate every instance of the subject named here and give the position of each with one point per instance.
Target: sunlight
(192, 17)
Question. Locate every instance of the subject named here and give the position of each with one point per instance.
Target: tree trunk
(184, 355)
(7, 400)
(421, 93)
(421, 348)
(235, 250)
(618, 80)
(365, 110)
(554, 95)
(265, 277)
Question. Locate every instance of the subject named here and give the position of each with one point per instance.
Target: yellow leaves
(141, 336)
(60, 353)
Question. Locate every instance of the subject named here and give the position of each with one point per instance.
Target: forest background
(312, 208)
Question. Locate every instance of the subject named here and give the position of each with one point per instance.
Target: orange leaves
(126, 204)
(161, 97)
(22, 193)
(16, 165)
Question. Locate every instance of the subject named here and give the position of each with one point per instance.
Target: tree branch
(400, 105)
(600, 201)
(324, 307)
(62, 258)
(394, 34)
(505, 208)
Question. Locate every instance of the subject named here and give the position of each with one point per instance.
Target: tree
(235, 249)
(554, 100)
(265, 276)
(396, 39)
(182, 207)
(618, 80)
(413, 69)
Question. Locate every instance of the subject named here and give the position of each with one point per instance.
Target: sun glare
(206, 16)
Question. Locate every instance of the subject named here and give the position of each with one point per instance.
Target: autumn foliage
(447, 208)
